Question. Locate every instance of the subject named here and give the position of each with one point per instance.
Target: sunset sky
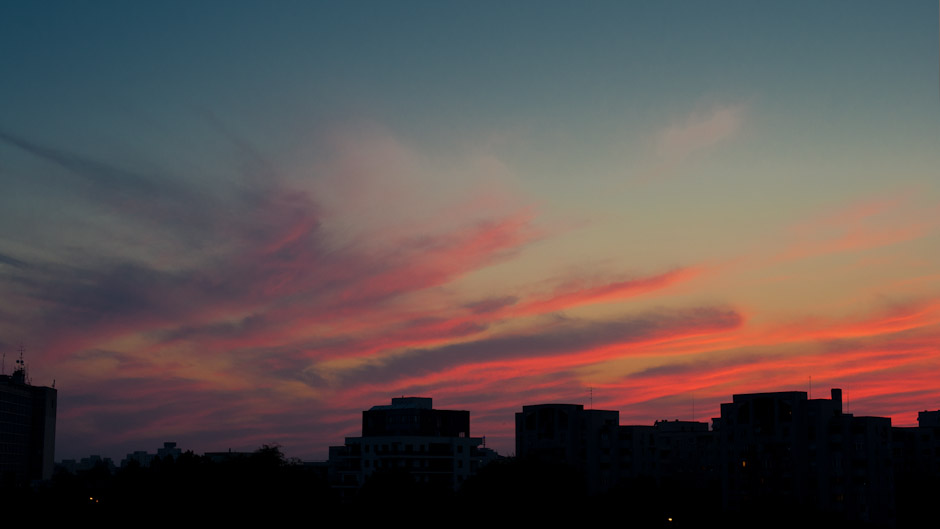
(229, 224)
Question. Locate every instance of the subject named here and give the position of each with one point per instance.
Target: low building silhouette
(144, 459)
(917, 449)
(608, 454)
(73, 466)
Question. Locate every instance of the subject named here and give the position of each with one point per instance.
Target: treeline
(267, 484)
(258, 483)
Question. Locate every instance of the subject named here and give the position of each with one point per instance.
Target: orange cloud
(864, 224)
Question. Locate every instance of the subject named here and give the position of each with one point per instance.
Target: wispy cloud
(576, 340)
(862, 224)
(282, 284)
(699, 131)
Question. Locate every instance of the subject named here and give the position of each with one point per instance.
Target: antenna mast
(21, 366)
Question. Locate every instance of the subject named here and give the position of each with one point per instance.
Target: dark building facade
(27, 429)
(777, 456)
(684, 453)
(433, 446)
(414, 416)
(917, 467)
(584, 440)
(609, 454)
(781, 452)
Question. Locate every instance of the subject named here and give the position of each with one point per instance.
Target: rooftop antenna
(811, 387)
(21, 365)
(592, 398)
(693, 408)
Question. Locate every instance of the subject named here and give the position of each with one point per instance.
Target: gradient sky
(234, 223)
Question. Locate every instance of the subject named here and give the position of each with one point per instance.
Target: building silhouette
(144, 458)
(917, 468)
(784, 453)
(432, 446)
(777, 456)
(584, 440)
(608, 454)
(917, 449)
(73, 466)
(27, 429)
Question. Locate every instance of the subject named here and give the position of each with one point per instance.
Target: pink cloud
(567, 297)
(860, 225)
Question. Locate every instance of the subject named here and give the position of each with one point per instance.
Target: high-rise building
(585, 440)
(27, 429)
(787, 453)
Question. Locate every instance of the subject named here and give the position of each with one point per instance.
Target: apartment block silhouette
(785, 452)
(433, 446)
(27, 429)
(767, 453)
(568, 434)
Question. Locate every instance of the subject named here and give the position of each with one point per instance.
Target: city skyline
(824, 395)
(231, 224)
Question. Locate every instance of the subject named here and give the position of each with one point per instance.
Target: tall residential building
(784, 453)
(585, 440)
(27, 429)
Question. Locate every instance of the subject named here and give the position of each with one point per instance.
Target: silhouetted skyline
(229, 224)
(778, 456)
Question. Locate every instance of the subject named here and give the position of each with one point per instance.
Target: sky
(231, 223)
